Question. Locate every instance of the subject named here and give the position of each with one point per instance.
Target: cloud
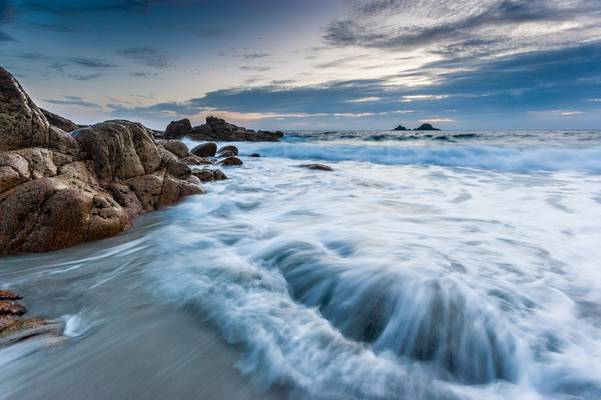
(90, 62)
(85, 77)
(71, 8)
(143, 74)
(5, 37)
(7, 11)
(251, 68)
(254, 56)
(365, 99)
(72, 101)
(423, 97)
(149, 57)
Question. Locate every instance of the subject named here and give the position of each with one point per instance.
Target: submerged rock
(59, 189)
(206, 175)
(426, 127)
(9, 295)
(205, 150)
(319, 167)
(218, 129)
(8, 307)
(255, 155)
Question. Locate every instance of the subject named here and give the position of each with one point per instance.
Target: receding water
(445, 265)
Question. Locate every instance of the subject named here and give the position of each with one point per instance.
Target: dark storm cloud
(149, 56)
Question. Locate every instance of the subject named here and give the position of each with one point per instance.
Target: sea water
(427, 265)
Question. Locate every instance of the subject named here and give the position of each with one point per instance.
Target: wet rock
(9, 295)
(58, 121)
(178, 129)
(195, 160)
(177, 147)
(22, 124)
(218, 175)
(233, 150)
(8, 307)
(230, 161)
(255, 155)
(320, 167)
(228, 153)
(204, 175)
(205, 150)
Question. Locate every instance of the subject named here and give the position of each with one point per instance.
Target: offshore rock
(219, 130)
(58, 121)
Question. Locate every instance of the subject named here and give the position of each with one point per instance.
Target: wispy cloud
(90, 62)
(149, 57)
(72, 101)
(423, 97)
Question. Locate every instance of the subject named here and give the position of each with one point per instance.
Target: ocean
(427, 265)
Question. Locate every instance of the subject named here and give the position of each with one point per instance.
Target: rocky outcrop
(60, 122)
(219, 130)
(400, 128)
(426, 127)
(14, 328)
(59, 189)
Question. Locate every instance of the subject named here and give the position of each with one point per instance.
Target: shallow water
(421, 268)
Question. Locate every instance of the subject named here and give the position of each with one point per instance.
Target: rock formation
(59, 189)
(400, 128)
(426, 127)
(318, 167)
(217, 129)
(60, 122)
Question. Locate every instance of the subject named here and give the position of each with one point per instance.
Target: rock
(400, 128)
(204, 175)
(178, 169)
(22, 124)
(119, 149)
(230, 161)
(255, 155)
(62, 142)
(59, 189)
(177, 147)
(195, 160)
(320, 167)
(228, 153)
(9, 295)
(218, 175)
(178, 129)
(228, 149)
(205, 150)
(58, 121)
(219, 129)
(426, 127)
(8, 307)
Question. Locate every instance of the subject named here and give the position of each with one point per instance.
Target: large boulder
(426, 127)
(176, 147)
(59, 189)
(205, 150)
(178, 129)
(22, 124)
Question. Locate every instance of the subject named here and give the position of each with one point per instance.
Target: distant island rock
(400, 128)
(426, 127)
(218, 129)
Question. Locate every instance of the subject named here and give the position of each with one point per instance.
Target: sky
(311, 64)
